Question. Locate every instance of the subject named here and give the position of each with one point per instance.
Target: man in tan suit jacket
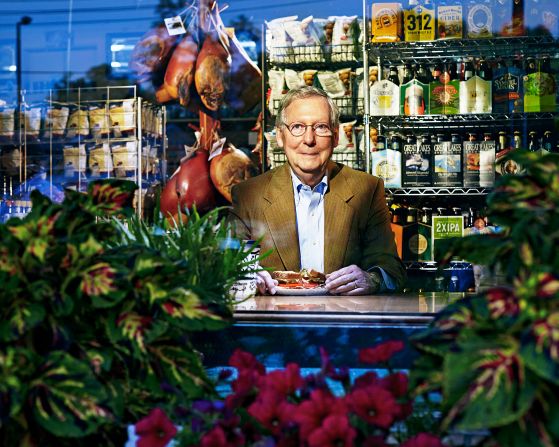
(359, 252)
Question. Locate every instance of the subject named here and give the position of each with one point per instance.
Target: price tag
(175, 26)
(419, 24)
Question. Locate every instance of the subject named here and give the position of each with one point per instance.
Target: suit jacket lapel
(280, 217)
(338, 218)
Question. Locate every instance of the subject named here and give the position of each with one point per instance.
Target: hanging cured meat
(227, 169)
(151, 54)
(213, 71)
(191, 184)
(180, 73)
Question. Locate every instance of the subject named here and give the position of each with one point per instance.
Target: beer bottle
(531, 66)
(393, 75)
(517, 140)
(423, 74)
(547, 142)
(533, 145)
(484, 70)
(468, 69)
(408, 74)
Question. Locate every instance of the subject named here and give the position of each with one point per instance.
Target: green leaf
(21, 317)
(540, 348)
(66, 399)
(112, 196)
(482, 390)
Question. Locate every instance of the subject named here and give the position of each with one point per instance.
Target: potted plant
(495, 356)
(94, 325)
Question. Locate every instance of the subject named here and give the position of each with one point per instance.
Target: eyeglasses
(299, 129)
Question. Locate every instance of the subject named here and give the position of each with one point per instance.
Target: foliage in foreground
(495, 357)
(93, 328)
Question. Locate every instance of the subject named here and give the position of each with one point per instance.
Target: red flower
(502, 302)
(374, 405)
(397, 384)
(423, 440)
(363, 381)
(244, 388)
(245, 360)
(214, 438)
(284, 382)
(272, 411)
(335, 431)
(155, 430)
(310, 414)
(380, 353)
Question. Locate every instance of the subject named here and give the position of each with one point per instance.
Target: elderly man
(314, 213)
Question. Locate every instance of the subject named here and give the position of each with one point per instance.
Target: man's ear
(279, 137)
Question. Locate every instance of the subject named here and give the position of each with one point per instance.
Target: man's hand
(265, 284)
(351, 280)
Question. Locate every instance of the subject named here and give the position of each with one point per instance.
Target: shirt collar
(298, 184)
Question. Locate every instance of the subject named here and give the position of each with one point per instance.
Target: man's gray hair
(304, 93)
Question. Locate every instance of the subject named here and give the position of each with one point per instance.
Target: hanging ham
(213, 71)
(180, 73)
(151, 55)
(190, 185)
(230, 167)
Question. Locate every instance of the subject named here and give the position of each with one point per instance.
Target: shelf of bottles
(431, 191)
(63, 139)
(451, 50)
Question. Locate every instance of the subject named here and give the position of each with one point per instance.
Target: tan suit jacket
(356, 226)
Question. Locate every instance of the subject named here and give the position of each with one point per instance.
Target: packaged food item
(331, 84)
(125, 159)
(386, 22)
(99, 121)
(75, 159)
(100, 161)
(78, 123)
(419, 21)
(31, 122)
(276, 81)
(122, 117)
(450, 20)
(344, 38)
(279, 46)
(293, 79)
(307, 40)
(56, 120)
(7, 123)
(346, 137)
(308, 76)
(11, 160)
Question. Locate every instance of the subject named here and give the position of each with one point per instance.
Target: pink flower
(272, 411)
(502, 302)
(335, 431)
(214, 438)
(284, 382)
(423, 440)
(363, 381)
(380, 353)
(245, 360)
(155, 430)
(244, 388)
(374, 405)
(310, 413)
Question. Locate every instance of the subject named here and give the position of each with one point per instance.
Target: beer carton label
(419, 24)
(479, 21)
(416, 165)
(414, 98)
(445, 227)
(475, 96)
(507, 91)
(386, 22)
(471, 164)
(450, 22)
(539, 92)
(387, 164)
(447, 162)
(444, 98)
(487, 164)
(385, 98)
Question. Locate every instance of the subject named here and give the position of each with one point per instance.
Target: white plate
(307, 292)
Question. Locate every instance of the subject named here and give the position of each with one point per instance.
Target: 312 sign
(419, 24)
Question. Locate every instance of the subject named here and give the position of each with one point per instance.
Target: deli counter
(283, 329)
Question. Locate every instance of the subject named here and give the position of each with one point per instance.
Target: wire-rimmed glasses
(320, 129)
